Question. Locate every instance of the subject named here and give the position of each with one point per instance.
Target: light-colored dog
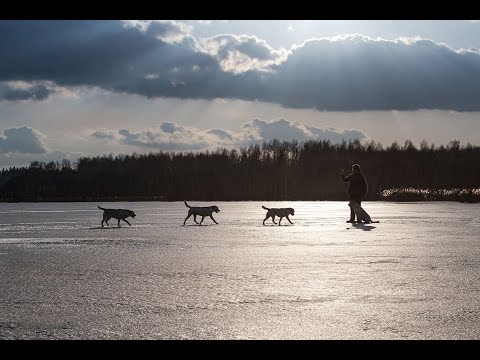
(361, 214)
(200, 211)
(119, 214)
(281, 213)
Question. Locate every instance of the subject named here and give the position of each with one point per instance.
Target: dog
(361, 214)
(200, 211)
(281, 213)
(119, 214)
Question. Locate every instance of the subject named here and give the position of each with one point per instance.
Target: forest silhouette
(273, 171)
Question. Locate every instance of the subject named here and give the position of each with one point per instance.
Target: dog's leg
(279, 221)
(359, 219)
(102, 222)
(195, 218)
(203, 217)
(106, 221)
(126, 221)
(265, 219)
(273, 219)
(119, 223)
(352, 213)
(189, 214)
(213, 219)
(289, 220)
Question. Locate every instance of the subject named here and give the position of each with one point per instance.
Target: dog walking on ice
(200, 211)
(119, 214)
(281, 213)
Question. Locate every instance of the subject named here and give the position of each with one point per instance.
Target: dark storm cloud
(22, 139)
(162, 59)
(12, 92)
(108, 54)
(359, 73)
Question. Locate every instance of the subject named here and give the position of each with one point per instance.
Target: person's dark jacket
(358, 185)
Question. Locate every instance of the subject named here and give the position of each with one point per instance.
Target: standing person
(357, 189)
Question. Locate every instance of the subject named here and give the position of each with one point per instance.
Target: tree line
(275, 170)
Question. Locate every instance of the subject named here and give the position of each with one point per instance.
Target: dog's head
(353, 205)
(132, 214)
(216, 209)
(292, 211)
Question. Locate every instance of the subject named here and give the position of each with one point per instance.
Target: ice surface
(415, 275)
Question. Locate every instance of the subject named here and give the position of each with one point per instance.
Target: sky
(89, 87)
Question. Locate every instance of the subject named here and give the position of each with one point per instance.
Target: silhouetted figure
(119, 214)
(202, 211)
(281, 213)
(357, 189)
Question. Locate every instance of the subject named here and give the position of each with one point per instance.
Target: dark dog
(200, 211)
(281, 213)
(361, 214)
(119, 214)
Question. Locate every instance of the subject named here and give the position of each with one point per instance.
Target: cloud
(13, 91)
(166, 30)
(169, 127)
(355, 72)
(286, 130)
(163, 59)
(222, 134)
(182, 139)
(19, 159)
(209, 22)
(21, 145)
(23, 139)
(104, 135)
(241, 53)
(172, 136)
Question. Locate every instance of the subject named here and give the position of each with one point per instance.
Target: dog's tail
(265, 208)
(188, 206)
(101, 208)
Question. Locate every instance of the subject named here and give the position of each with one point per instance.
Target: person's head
(356, 168)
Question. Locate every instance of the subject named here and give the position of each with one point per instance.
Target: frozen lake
(415, 275)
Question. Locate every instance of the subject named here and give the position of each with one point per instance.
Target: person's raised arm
(345, 178)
